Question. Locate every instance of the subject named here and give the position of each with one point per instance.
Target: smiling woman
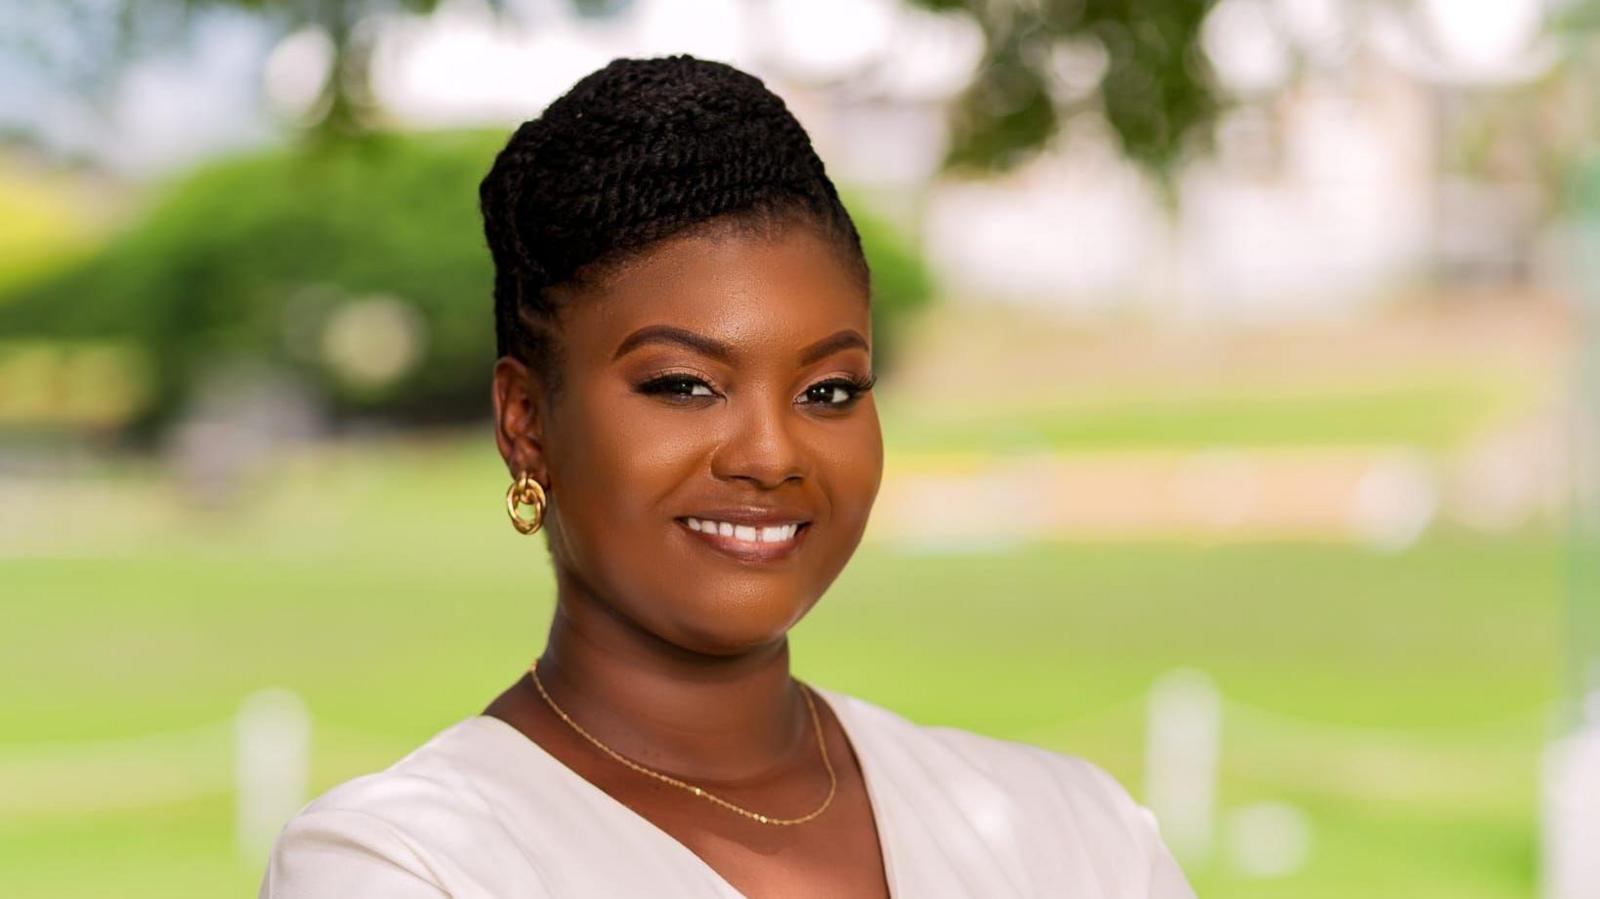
(683, 395)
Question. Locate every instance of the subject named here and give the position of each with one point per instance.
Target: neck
(704, 718)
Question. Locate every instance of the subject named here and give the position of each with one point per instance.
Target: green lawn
(1397, 699)
(1431, 411)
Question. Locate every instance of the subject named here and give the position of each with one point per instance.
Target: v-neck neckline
(838, 702)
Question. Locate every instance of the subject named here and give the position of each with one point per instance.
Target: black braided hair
(636, 152)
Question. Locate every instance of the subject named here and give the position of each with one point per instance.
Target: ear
(520, 416)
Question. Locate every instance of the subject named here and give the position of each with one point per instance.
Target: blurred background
(1239, 388)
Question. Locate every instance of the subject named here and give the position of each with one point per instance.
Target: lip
(749, 552)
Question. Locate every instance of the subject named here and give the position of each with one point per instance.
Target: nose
(762, 445)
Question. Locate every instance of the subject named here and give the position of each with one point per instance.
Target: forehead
(763, 293)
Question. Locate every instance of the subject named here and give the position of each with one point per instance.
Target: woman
(683, 400)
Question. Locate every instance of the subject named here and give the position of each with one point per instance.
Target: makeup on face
(747, 533)
(719, 447)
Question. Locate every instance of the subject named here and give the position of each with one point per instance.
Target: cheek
(850, 466)
(620, 468)
(616, 476)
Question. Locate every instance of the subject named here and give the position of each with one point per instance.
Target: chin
(735, 627)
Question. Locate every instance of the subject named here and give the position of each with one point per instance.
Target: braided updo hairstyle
(636, 152)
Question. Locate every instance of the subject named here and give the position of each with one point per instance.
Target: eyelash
(856, 386)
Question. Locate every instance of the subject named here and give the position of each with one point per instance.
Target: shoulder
(407, 831)
(1050, 776)
(1064, 806)
(434, 777)
(1010, 762)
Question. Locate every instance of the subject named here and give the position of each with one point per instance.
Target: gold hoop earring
(526, 491)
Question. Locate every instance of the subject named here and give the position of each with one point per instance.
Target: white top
(482, 811)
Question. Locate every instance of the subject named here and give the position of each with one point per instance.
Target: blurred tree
(1154, 88)
(359, 269)
(345, 108)
(306, 260)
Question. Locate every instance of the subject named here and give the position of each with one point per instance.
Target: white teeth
(776, 533)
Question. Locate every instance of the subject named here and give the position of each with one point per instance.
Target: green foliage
(248, 256)
(254, 256)
(1156, 92)
(901, 284)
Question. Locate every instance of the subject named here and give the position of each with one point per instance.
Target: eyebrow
(722, 352)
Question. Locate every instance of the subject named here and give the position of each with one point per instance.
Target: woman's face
(711, 379)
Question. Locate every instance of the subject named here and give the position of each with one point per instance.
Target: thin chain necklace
(833, 780)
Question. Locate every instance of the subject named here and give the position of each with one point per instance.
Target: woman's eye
(839, 393)
(835, 393)
(677, 386)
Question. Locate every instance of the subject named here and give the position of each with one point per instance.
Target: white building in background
(1323, 195)
(1303, 211)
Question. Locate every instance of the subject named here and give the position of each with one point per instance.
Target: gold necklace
(833, 780)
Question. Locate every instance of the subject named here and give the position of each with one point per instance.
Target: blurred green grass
(1397, 699)
(1433, 411)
